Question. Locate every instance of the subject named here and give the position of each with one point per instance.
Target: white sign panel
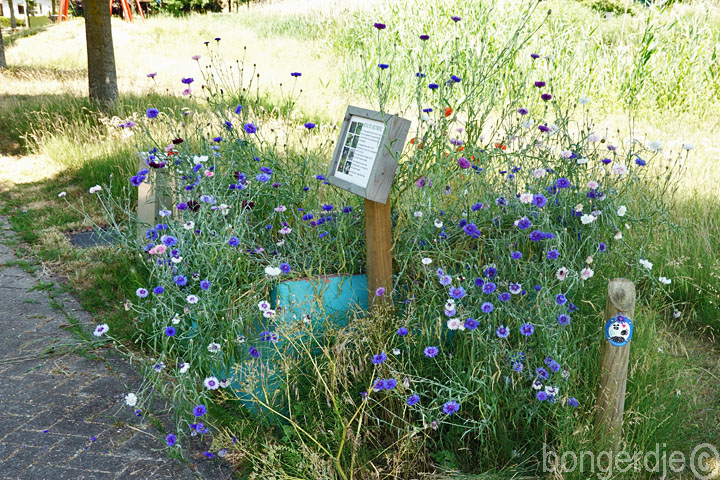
(359, 151)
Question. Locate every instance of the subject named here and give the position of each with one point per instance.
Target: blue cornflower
(445, 280)
(479, 282)
(640, 162)
(379, 358)
(180, 280)
(158, 290)
(309, 125)
(502, 331)
(602, 247)
(430, 352)
(402, 331)
(523, 223)
(560, 299)
(563, 319)
(477, 206)
(254, 352)
(487, 307)
(204, 284)
(504, 297)
(390, 383)
(573, 402)
(539, 200)
(199, 410)
(542, 396)
(296, 74)
(327, 207)
(379, 385)
(170, 440)
(141, 292)
(471, 230)
(136, 180)
(537, 236)
(455, 78)
(152, 112)
(457, 292)
(413, 399)
(450, 407)
(516, 255)
(285, 267)
(383, 66)
(553, 254)
(187, 81)
(490, 272)
(170, 331)
(233, 242)
(249, 128)
(562, 183)
(541, 373)
(263, 177)
(517, 366)
(471, 323)
(433, 86)
(169, 240)
(238, 109)
(527, 329)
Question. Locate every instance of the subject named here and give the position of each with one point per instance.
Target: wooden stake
(378, 236)
(154, 194)
(610, 404)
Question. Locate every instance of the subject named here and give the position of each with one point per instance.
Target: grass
(55, 140)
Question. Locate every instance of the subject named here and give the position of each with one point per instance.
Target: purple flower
(455, 18)
(413, 399)
(457, 292)
(383, 66)
(379, 26)
(471, 324)
(309, 125)
(254, 352)
(527, 329)
(424, 37)
(450, 407)
(560, 299)
(504, 297)
(170, 440)
(540, 84)
(562, 183)
(546, 96)
(534, 56)
(433, 86)
(463, 163)
(563, 319)
(285, 267)
(199, 410)
(187, 81)
(296, 74)
(502, 331)
(522, 111)
(379, 358)
(516, 255)
(402, 331)
(430, 352)
(487, 307)
(380, 292)
(445, 280)
(471, 230)
(542, 396)
(170, 331)
(573, 402)
(541, 373)
(390, 383)
(553, 254)
(249, 128)
(151, 75)
(543, 128)
(152, 112)
(539, 200)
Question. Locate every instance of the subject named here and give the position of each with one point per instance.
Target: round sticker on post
(619, 330)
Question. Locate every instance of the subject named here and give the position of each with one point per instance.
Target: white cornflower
(537, 384)
(285, 231)
(183, 367)
(269, 313)
(528, 123)
(583, 100)
(272, 271)
(224, 209)
(280, 208)
(539, 172)
(100, 330)
(566, 153)
(589, 259)
(688, 146)
(225, 383)
(586, 273)
(526, 198)
(176, 319)
(176, 259)
(561, 274)
(165, 212)
(587, 218)
(200, 159)
(213, 347)
(438, 223)
(665, 280)
(593, 185)
(619, 169)
(192, 299)
(131, 399)
(189, 225)
(264, 305)
(426, 261)
(581, 161)
(655, 145)
(62, 194)
(211, 383)
(618, 235)
(578, 208)
(621, 211)
(677, 313)
(550, 390)
(455, 324)
(593, 138)
(418, 214)
(396, 351)
(95, 189)
(646, 264)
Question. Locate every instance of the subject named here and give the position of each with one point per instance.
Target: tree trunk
(101, 56)
(13, 23)
(53, 5)
(3, 63)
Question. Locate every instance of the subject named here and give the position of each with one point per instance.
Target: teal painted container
(304, 306)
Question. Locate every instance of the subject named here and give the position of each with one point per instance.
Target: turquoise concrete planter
(305, 306)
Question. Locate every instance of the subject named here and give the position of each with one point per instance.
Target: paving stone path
(64, 416)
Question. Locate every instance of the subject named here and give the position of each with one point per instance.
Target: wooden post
(610, 403)
(154, 194)
(378, 237)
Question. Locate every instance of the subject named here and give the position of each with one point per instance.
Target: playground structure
(124, 4)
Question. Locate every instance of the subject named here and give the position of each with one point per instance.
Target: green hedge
(5, 22)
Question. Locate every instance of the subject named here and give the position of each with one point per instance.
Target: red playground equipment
(124, 4)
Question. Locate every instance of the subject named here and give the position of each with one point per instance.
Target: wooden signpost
(364, 163)
(610, 404)
(154, 194)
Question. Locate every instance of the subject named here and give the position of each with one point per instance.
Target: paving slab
(64, 416)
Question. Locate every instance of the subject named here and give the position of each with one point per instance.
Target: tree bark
(3, 63)
(53, 5)
(13, 23)
(101, 55)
